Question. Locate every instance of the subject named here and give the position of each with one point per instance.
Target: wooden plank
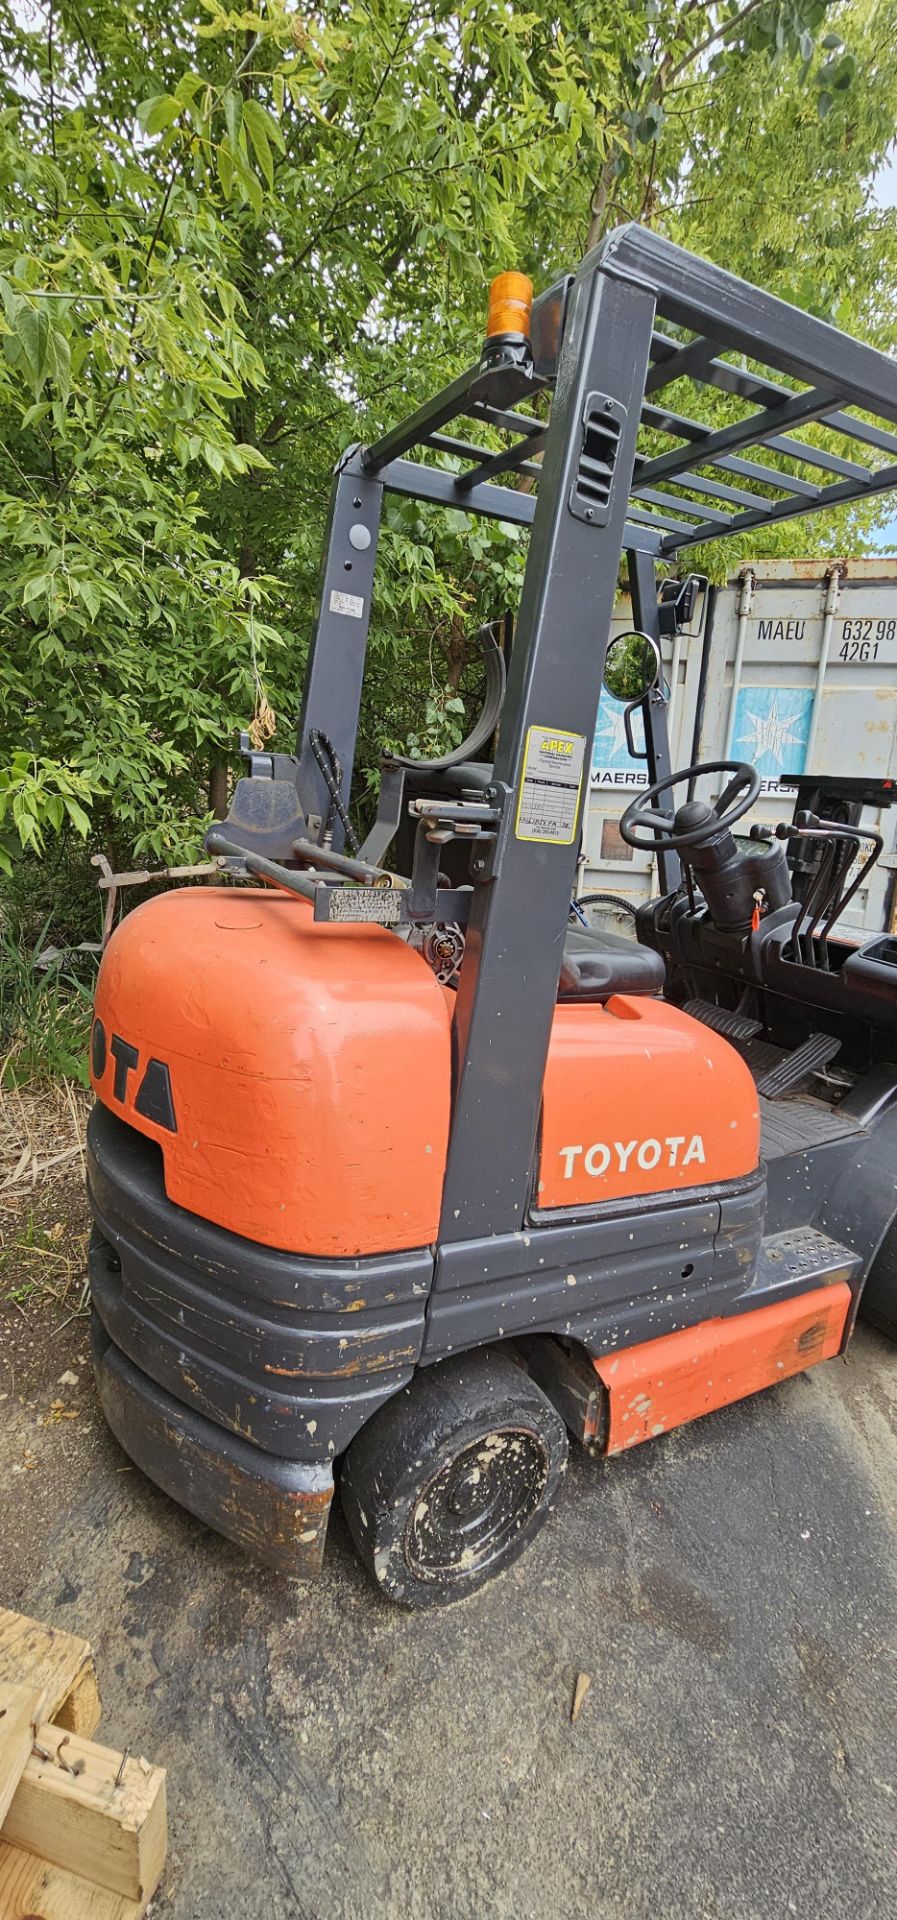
(19, 1707)
(59, 1663)
(30, 1889)
(82, 1708)
(90, 1812)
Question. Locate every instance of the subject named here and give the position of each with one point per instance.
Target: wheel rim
(474, 1508)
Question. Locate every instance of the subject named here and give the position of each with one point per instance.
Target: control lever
(827, 895)
(343, 863)
(265, 869)
(451, 819)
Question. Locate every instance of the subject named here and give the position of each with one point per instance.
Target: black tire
(449, 1481)
(613, 903)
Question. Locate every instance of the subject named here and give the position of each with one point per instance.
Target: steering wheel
(642, 818)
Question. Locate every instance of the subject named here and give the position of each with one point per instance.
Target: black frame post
(655, 707)
(509, 976)
(332, 696)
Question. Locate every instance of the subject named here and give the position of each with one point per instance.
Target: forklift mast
(639, 316)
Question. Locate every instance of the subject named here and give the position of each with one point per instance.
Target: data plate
(548, 806)
(382, 905)
(348, 603)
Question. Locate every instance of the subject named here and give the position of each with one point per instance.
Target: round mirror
(632, 666)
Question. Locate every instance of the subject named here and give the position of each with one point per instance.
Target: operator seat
(597, 964)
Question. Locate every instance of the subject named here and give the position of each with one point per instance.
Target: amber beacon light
(510, 304)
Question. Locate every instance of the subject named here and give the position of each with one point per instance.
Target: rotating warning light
(510, 304)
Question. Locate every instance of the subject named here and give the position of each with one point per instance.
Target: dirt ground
(731, 1590)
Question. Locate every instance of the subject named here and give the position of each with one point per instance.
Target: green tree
(233, 241)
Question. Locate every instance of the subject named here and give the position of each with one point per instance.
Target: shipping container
(792, 665)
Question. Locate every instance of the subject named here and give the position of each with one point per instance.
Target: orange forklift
(399, 1178)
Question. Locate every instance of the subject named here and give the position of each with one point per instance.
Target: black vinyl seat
(597, 964)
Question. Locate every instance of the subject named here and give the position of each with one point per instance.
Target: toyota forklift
(400, 1178)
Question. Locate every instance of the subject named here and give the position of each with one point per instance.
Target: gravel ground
(731, 1590)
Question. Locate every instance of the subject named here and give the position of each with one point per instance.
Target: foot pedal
(735, 1026)
(809, 1058)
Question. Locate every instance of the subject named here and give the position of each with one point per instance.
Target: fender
(861, 1209)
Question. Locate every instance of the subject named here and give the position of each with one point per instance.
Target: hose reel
(487, 721)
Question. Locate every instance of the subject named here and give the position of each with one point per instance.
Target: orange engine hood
(296, 1077)
(639, 1099)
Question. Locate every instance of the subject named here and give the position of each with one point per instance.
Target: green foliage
(440, 576)
(234, 241)
(35, 793)
(44, 1017)
(50, 902)
(53, 900)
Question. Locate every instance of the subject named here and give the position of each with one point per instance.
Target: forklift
(399, 1178)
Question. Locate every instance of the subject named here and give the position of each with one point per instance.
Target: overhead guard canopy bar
(719, 315)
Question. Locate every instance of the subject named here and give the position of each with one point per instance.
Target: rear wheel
(448, 1482)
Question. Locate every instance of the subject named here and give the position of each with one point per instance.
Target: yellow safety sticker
(548, 804)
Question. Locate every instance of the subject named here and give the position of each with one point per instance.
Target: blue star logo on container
(772, 728)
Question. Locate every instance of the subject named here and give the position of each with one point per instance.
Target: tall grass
(50, 900)
(44, 1016)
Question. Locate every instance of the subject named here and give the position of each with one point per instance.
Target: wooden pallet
(82, 1828)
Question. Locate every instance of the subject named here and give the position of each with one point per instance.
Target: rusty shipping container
(801, 677)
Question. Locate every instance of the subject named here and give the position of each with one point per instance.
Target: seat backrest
(598, 964)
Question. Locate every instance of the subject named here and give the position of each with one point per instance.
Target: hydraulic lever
(827, 895)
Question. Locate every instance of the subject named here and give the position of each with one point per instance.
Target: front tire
(449, 1481)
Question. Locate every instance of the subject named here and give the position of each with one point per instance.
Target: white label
(549, 791)
(380, 904)
(350, 603)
